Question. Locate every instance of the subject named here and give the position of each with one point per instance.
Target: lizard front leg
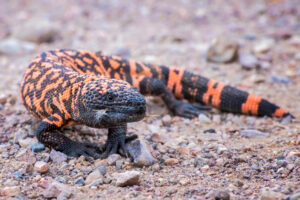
(116, 140)
(47, 133)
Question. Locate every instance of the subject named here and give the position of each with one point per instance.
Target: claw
(88, 150)
(188, 110)
(201, 107)
(130, 138)
(117, 144)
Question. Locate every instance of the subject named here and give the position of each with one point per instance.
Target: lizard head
(111, 102)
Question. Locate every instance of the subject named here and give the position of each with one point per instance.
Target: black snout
(141, 109)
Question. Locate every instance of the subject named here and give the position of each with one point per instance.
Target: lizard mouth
(117, 114)
(130, 110)
(126, 113)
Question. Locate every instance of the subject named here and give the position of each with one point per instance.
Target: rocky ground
(253, 45)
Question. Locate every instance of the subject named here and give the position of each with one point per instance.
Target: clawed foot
(88, 150)
(116, 144)
(188, 110)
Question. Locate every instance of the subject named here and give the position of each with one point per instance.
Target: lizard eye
(110, 97)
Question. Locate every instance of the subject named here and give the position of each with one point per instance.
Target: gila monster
(65, 87)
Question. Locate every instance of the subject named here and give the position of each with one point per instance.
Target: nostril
(142, 108)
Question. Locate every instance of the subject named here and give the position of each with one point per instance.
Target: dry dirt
(206, 164)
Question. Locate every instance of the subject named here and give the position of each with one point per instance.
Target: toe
(114, 148)
(92, 153)
(91, 145)
(201, 107)
(131, 137)
(123, 150)
(87, 157)
(107, 151)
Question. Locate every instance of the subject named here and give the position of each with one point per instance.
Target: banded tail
(196, 88)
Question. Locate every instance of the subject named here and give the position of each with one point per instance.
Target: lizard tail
(196, 88)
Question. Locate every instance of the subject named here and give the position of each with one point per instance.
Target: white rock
(222, 50)
(27, 142)
(112, 159)
(140, 152)
(128, 178)
(41, 167)
(93, 176)
(58, 190)
(19, 134)
(248, 61)
(10, 46)
(57, 156)
(10, 191)
(264, 45)
(268, 194)
(203, 119)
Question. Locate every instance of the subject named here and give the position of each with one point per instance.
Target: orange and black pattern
(62, 73)
(64, 87)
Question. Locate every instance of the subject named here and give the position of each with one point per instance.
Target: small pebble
(252, 133)
(119, 164)
(41, 167)
(238, 183)
(280, 79)
(222, 50)
(27, 142)
(19, 134)
(203, 119)
(183, 151)
(156, 167)
(96, 183)
(57, 190)
(264, 45)
(218, 194)
(155, 137)
(102, 169)
(205, 168)
(12, 46)
(250, 37)
(248, 61)
(10, 191)
(60, 179)
(122, 52)
(148, 138)
(128, 178)
(211, 130)
(37, 147)
(268, 194)
(167, 120)
(18, 175)
(57, 156)
(112, 159)
(220, 161)
(171, 161)
(79, 181)
(95, 175)
(140, 152)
